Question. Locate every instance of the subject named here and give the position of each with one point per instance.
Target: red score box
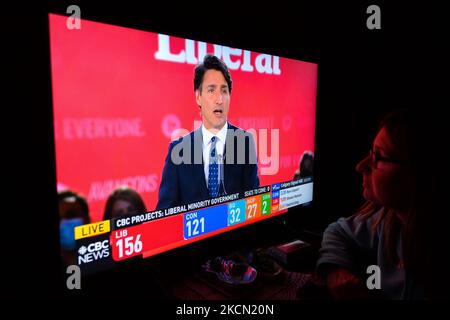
(135, 240)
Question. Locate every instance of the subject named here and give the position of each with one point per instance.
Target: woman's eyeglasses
(375, 157)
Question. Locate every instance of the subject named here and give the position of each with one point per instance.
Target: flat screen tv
(121, 96)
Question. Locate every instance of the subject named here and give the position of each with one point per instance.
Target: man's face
(213, 97)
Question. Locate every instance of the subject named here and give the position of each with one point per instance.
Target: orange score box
(275, 207)
(253, 207)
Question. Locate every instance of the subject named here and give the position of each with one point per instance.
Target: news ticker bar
(174, 230)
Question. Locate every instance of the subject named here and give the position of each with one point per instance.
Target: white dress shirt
(221, 136)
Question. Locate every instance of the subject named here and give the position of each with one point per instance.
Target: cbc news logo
(93, 252)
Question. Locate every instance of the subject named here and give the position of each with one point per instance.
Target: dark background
(362, 74)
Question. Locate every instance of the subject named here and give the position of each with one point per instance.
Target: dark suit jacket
(184, 182)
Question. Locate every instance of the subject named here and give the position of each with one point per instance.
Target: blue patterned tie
(213, 182)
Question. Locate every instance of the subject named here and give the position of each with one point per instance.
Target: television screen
(125, 106)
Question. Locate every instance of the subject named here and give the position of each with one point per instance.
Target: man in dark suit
(216, 159)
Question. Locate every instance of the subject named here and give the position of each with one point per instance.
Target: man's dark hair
(211, 62)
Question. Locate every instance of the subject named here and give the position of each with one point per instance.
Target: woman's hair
(306, 164)
(79, 207)
(399, 129)
(414, 136)
(126, 194)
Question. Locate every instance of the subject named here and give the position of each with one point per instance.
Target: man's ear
(197, 98)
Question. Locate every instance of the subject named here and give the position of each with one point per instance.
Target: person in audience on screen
(73, 212)
(216, 159)
(400, 227)
(123, 201)
(306, 166)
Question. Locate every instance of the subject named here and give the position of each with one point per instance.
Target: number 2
(264, 207)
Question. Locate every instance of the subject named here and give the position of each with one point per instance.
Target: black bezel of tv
(225, 242)
(52, 274)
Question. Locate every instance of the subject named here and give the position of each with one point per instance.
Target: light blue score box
(236, 212)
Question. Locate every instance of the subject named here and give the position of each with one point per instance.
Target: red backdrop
(116, 105)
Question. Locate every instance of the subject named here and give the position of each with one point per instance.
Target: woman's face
(121, 208)
(386, 179)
